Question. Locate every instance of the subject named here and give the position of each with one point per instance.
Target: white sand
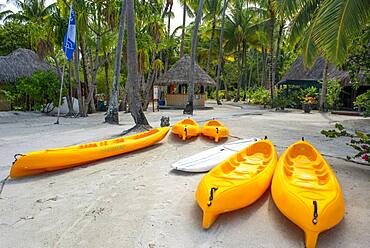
(136, 200)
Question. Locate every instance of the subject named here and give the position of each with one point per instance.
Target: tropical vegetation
(123, 46)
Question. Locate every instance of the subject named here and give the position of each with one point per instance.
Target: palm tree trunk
(106, 70)
(244, 73)
(210, 43)
(272, 63)
(78, 83)
(263, 73)
(324, 87)
(277, 60)
(71, 112)
(149, 83)
(237, 98)
(218, 80)
(183, 31)
(190, 107)
(132, 68)
(112, 114)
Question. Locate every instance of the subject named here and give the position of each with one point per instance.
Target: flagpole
(60, 93)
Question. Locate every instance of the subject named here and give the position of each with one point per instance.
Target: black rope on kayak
(16, 156)
(266, 138)
(302, 138)
(315, 215)
(216, 129)
(211, 196)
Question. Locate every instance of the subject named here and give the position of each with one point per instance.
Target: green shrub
(35, 92)
(281, 99)
(362, 102)
(259, 96)
(332, 97)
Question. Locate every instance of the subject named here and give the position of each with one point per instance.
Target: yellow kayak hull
(66, 157)
(215, 130)
(306, 191)
(237, 182)
(186, 129)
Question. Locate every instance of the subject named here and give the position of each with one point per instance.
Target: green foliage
(333, 93)
(359, 141)
(35, 92)
(363, 103)
(281, 100)
(13, 35)
(259, 96)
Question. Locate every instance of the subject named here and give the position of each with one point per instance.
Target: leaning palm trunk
(324, 87)
(135, 105)
(112, 114)
(218, 80)
(71, 111)
(277, 56)
(189, 107)
(106, 70)
(237, 98)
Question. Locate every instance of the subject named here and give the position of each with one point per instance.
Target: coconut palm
(135, 105)
(189, 106)
(218, 80)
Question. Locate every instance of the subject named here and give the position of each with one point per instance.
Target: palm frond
(337, 22)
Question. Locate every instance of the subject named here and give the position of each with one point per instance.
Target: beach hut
(173, 85)
(21, 62)
(300, 77)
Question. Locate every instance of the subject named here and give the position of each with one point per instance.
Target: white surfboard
(206, 160)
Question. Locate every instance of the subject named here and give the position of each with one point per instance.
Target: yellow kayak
(306, 191)
(66, 157)
(237, 182)
(215, 129)
(186, 129)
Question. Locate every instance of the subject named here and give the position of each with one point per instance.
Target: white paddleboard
(206, 160)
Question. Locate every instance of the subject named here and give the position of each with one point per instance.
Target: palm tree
(112, 114)
(186, 12)
(189, 107)
(135, 105)
(218, 80)
(212, 11)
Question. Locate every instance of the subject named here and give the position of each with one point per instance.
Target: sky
(175, 22)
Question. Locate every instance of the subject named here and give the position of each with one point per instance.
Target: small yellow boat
(306, 191)
(215, 129)
(186, 129)
(66, 157)
(237, 182)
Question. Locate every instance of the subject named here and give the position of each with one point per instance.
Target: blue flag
(69, 43)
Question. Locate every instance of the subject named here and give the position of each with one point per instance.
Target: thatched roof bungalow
(298, 72)
(299, 75)
(173, 84)
(21, 62)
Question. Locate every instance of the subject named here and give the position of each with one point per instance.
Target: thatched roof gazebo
(21, 62)
(179, 74)
(174, 83)
(298, 72)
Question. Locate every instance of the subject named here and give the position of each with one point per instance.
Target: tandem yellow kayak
(186, 129)
(215, 129)
(66, 157)
(306, 191)
(237, 182)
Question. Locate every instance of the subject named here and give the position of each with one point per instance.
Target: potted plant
(308, 102)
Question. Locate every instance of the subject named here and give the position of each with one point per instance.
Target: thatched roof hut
(298, 72)
(21, 62)
(179, 74)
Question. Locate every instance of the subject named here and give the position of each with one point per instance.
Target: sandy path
(136, 200)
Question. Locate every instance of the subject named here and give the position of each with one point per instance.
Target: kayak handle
(216, 129)
(211, 196)
(16, 156)
(315, 215)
